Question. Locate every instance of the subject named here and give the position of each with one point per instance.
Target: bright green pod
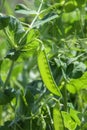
(57, 118)
(46, 74)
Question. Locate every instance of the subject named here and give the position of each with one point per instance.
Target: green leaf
(70, 6)
(29, 97)
(69, 69)
(76, 85)
(75, 69)
(68, 121)
(31, 48)
(32, 35)
(13, 54)
(35, 87)
(16, 30)
(57, 118)
(84, 127)
(84, 95)
(22, 9)
(48, 10)
(4, 21)
(6, 96)
(21, 6)
(41, 22)
(46, 73)
(3, 98)
(74, 115)
(21, 104)
(80, 2)
(6, 126)
(79, 69)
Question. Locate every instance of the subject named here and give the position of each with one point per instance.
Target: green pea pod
(57, 118)
(46, 73)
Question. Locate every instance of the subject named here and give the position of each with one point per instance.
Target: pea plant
(43, 65)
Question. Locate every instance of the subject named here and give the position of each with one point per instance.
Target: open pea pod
(46, 74)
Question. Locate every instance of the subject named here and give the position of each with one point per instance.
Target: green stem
(1, 110)
(31, 25)
(65, 97)
(2, 4)
(9, 74)
(1, 60)
(31, 124)
(81, 23)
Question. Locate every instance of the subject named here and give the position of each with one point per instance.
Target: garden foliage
(43, 65)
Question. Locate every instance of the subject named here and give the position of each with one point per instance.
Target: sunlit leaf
(70, 6)
(76, 85)
(68, 121)
(74, 115)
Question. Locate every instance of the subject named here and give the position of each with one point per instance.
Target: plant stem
(31, 25)
(2, 4)
(9, 74)
(31, 124)
(65, 97)
(1, 115)
(0, 66)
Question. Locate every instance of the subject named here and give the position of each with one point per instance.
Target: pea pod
(46, 74)
(57, 118)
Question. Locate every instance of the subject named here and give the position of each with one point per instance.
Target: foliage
(43, 65)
